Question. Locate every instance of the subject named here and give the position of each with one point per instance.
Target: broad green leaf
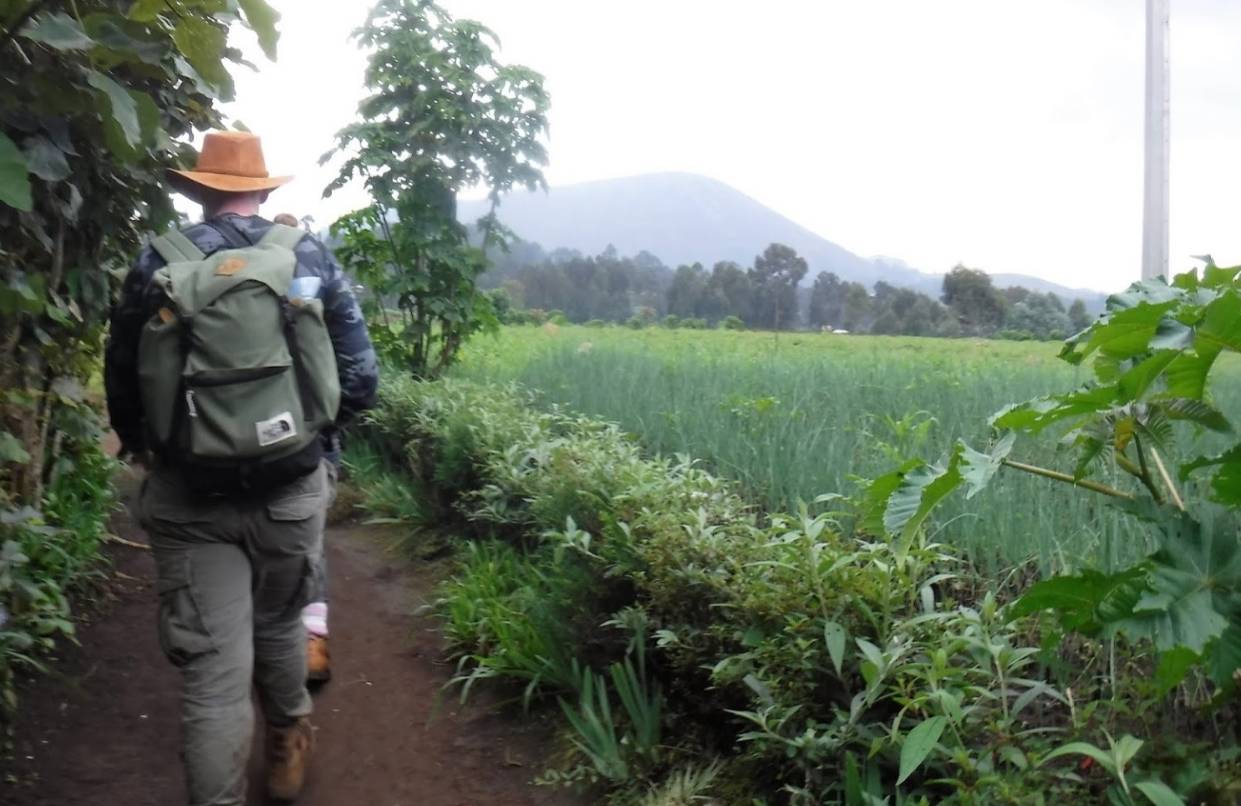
(59, 31)
(1040, 413)
(1171, 335)
(1226, 483)
(45, 160)
(126, 39)
(919, 492)
(1221, 323)
(148, 118)
(1125, 333)
(977, 469)
(870, 652)
(121, 103)
(148, 10)
(919, 744)
(877, 493)
(14, 178)
(1134, 383)
(1180, 607)
(1143, 292)
(1224, 658)
(1087, 602)
(1082, 749)
(834, 635)
(1159, 793)
(1216, 276)
(1173, 666)
(263, 18)
(1219, 330)
(203, 45)
(1124, 750)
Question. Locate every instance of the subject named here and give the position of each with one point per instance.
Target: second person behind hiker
(314, 615)
(231, 346)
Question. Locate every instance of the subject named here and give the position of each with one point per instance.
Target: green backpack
(233, 373)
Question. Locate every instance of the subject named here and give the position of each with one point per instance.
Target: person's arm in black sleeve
(120, 366)
(356, 363)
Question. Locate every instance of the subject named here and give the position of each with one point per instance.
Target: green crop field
(796, 415)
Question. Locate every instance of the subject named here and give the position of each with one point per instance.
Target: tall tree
(444, 115)
(687, 294)
(975, 301)
(729, 293)
(857, 308)
(775, 276)
(827, 302)
(1079, 319)
(97, 98)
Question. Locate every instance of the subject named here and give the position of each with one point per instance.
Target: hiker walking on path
(236, 351)
(314, 614)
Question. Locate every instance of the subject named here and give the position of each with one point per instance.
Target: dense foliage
(769, 295)
(1153, 356)
(444, 115)
(93, 98)
(698, 649)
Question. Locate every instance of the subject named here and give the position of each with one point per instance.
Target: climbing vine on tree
(96, 99)
(444, 116)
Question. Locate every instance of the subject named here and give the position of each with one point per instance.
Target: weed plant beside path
(792, 416)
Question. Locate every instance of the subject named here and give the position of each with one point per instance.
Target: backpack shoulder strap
(175, 247)
(283, 235)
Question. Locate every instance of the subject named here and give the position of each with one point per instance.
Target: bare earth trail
(102, 729)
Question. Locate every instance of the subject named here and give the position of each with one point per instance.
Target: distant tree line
(531, 284)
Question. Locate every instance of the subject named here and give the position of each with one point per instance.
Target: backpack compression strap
(175, 247)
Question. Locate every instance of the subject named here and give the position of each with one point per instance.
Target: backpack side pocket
(320, 382)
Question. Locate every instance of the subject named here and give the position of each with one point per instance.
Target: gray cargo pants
(233, 575)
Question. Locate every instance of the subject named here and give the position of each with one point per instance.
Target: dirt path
(103, 728)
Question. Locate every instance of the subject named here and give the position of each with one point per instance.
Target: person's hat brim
(191, 183)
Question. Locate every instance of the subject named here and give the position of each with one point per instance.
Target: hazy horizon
(1006, 137)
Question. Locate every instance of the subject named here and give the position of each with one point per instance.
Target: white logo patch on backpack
(276, 429)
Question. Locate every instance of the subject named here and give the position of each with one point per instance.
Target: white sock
(314, 617)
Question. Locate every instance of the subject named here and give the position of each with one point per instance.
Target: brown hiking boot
(288, 754)
(318, 661)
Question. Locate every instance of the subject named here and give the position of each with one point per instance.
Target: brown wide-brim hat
(231, 162)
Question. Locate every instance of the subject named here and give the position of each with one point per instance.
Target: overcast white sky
(1005, 134)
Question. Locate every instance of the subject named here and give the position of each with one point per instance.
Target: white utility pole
(1155, 213)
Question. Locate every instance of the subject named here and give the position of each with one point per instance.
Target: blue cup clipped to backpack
(306, 288)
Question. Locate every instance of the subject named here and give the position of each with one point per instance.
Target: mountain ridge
(686, 218)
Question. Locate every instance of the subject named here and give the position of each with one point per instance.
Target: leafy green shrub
(512, 614)
(45, 554)
(732, 323)
(1153, 354)
(819, 667)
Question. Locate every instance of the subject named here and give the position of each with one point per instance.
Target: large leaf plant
(1131, 431)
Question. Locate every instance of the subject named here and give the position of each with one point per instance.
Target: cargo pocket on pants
(182, 634)
(310, 587)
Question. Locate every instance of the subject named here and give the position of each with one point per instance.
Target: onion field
(794, 416)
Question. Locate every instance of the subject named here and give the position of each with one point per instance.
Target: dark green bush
(814, 665)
